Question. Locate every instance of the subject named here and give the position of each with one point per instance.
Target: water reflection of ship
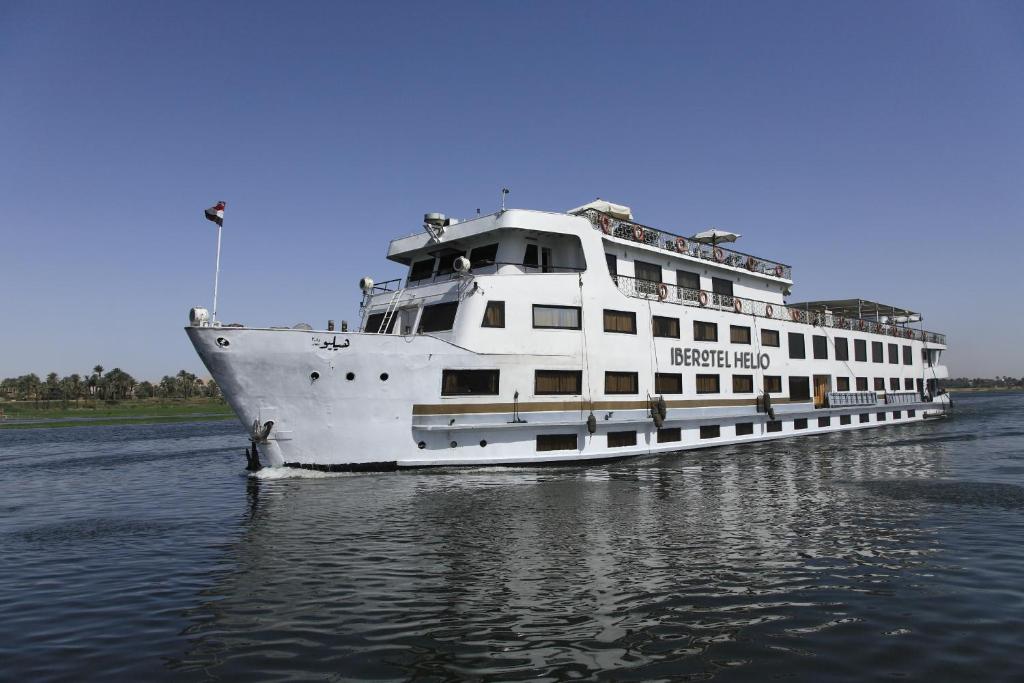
(581, 569)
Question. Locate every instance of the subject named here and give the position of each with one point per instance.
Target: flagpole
(216, 274)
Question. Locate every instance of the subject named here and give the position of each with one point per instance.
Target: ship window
(744, 428)
(800, 423)
(911, 413)
(799, 388)
(742, 384)
(647, 271)
(613, 265)
(894, 383)
(773, 384)
(530, 258)
(374, 321)
(842, 383)
(620, 439)
(469, 383)
(824, 422)
(860, 350)
(926, 356)
(862, 384)
(620, 383)
(494, 314)
(770, 338)
(620, 321)
(908, 384)
(819, 344)
(845, 419)
(796, 345)
(670, 434)
(919, 384)
(775, 425)
(483, 256)
(685, 278)
(557, 382)
(557, 442)
(897, 414)
(705, 331)
(446, 262)
(556, 317)
(668, 383)
(421, 270)
(880, 417)
(879, 384)
(438, 317)
(842, 349)
(739, 334)
(721, 286)
(710, 431)
(877, 352)
(665, 327)
(908, 356)
(707, 384)
(865, 417)
(894, 354)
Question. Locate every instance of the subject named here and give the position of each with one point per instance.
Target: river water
(146, 553)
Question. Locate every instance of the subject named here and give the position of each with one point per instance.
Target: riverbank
(41, 414)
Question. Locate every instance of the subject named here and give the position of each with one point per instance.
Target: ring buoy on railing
(703, 298)
(769, 312)
(662, 291)
(751, 263)
(794, 314)
(680, 245)
(606, 225)
(718, 254)
(737, 305)
(638, 233)
(778, 271)
(861, 325)
(909, 334)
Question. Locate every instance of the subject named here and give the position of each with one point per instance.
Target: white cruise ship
(531, 337)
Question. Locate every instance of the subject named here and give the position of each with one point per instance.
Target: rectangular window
(556, 317)
(820, 345)
(845, 419)
(546, 382)
(668, 383)
(707, 384)
(775, 425)
(842, 383)
(439, 317)
(877, 352)
(865, 417)
(620, 383)
(894, 354)
(824, 422)
(773, 384)
(620, 321)
(860, 350)
(620, 439)
(483, 256)
(613, 266)
(911, 413)
(744, 428)
(879, 384)
(469, 383)
(894, 383)
(796, 345)
(446, 262)
(421, 270)
(880, 417)
(800, 388)
(800, 423)
(897, 414)
(670, 434)
(374, 322)
(557, 442)
(705, 331)
(723, 288)
(742, 384)
(862, 384)
(842, 349)
(685, 278)
(739, 334)
(665, 327)
(494, 314)
(710, 431)
(908, 356)
(647, 271)
(531, 258)
(908, 384)
(919, 385)
(770, 338)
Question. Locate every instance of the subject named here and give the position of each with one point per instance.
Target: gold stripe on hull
(552, 406)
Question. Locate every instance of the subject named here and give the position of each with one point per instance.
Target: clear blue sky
(877, 147)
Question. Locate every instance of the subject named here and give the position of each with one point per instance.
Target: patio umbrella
(714, 236)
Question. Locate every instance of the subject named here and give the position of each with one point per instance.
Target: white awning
(620, 211)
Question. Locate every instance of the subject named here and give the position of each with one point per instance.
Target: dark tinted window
(439, 317)
(705, 331)
(877, 352)
(374, 321)
(556, 442)
(685, 278)
(842, 383)
(862, 384)
(665, 327)
(710, 431)
(669, 434)
(668, 383)
(799, 388)
(879, 384)
(744, 428)
(620, 439)
(421, 270)
(824, 422)
(721, 286)
(820, 344)
(469, 382)
(613, 265)
(800, 423)
(647, 271)
(483, 256)
(796, 345)
(908, 356)
(860, 350)
(844, 419)
(842, 349)
(445, 262)
(775, 426)
(894, 354)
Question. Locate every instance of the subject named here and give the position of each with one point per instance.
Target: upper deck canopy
(860, 308)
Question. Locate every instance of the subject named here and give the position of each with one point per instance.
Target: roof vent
(435, 219)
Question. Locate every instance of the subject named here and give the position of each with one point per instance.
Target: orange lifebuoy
(606, 225)
(662, 291)
(778, 271)
(703, 298)
(769, 312)
(680, 244)
(794, 314)
(909, 334)
(737, 305)
(861, 325)
(638, 233)
(718, 254)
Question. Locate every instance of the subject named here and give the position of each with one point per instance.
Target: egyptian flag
(216, 213)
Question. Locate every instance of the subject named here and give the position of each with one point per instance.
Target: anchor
(259, 435)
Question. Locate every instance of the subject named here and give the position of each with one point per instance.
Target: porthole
(314, 376)
(383, 377)
(223, 343)
(422, 445)
(350, 376)
(453, 444)
(483, 442)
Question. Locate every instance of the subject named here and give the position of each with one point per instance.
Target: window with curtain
(647, 271)
(708, 384)
(743, 384)
(557, 382)
(770, 338)
(556, 317)
(705, 331)
(494, 314)
(621, 383)
(773, 384)
(739, 334)
(685, 278)
(668, 383)
(665, 327)
(469, 383)
(623, 322)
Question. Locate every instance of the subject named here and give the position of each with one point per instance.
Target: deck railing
(674, 294)
(635, 232)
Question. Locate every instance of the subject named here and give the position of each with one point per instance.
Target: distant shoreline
(43, 415)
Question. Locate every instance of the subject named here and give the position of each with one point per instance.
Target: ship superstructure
(537, 337)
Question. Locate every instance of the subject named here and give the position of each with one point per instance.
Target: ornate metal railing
(661, 291)
(635, 232)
